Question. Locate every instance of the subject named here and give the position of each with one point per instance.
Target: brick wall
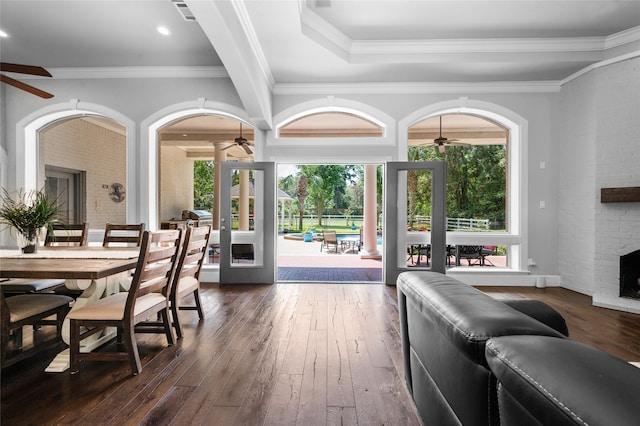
(78, 144)
(599, 147)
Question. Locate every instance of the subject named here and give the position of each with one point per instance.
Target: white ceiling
(298, 45)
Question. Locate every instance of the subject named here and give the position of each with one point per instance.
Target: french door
(247, 223)
(409, 236)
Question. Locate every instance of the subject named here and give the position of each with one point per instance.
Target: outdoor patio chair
(133, 311)
(329, 238)
(473, 254)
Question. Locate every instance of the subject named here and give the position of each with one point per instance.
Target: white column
(219, 157)
(370, 226)
(243, 201)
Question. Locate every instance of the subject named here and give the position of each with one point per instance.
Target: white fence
(453, 223)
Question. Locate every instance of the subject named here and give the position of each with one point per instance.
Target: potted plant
(307, 236)
(28, 213)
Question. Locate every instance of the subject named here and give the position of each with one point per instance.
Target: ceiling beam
(229, 30)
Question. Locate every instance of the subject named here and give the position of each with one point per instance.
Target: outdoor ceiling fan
(24, 69)
(241, 142)
(441, 142)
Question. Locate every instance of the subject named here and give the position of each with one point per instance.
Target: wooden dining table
(97, 271)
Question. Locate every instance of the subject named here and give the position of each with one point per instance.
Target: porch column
(370, 226)
(219, 156)
(243, 201)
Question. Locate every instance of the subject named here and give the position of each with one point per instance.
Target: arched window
(331, 125)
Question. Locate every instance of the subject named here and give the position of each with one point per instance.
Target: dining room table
(95, 270)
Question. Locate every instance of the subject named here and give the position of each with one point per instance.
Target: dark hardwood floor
(306, 354)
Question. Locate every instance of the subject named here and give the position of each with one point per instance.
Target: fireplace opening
(630, 275)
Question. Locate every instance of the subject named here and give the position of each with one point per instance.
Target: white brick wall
(80, 145)
(600, 148)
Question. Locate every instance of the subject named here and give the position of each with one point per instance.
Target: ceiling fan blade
(247, 149)
(24, 69)
(25, 87)
(227, 147)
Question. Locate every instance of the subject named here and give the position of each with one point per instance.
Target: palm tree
(302, 194)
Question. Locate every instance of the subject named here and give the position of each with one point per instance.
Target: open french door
(247, 223)
(405, 236)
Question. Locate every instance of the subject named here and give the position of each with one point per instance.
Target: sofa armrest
(556, 381)
(540, 311)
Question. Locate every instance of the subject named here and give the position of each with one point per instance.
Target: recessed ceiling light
(3, 34)
(164, 30)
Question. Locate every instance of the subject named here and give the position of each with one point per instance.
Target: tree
(302, 195)
(203, 185)
(324, 181)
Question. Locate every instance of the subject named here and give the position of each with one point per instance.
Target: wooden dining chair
(123, 234)
(186, 279)
(130, 312)
(29, 309)
(67, 235)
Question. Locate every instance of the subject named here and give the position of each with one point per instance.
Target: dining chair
(123, 234)
(67, 235)
(130, 312)
(29, 309)
(186, 279)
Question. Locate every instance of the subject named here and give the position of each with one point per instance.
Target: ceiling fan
(242, 142)
(441, 142)
(24, 69)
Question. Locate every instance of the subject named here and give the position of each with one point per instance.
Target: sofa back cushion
(465, 315)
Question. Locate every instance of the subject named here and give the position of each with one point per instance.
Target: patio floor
(304, 261)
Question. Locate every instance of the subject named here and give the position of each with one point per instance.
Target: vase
(29, 241)
(307, 237)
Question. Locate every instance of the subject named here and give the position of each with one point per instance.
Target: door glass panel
(415, 218)
(247, 222)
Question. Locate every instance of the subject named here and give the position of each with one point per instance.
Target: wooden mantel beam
(620, 195)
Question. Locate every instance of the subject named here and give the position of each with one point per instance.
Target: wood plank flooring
(287, 354)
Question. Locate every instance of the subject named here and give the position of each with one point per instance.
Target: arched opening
(340, 202)
(95, 121)
(475, 151)
(513, 238)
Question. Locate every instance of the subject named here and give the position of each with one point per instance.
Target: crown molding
(417, 88)
(137, 72)
(423, 51)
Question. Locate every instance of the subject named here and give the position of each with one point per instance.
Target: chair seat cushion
(187, 284)
(28, 285)
(24, 306)
(112, 307)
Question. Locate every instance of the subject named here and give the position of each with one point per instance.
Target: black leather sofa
(470, 359)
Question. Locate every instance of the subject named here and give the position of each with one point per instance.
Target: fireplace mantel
(628, 194)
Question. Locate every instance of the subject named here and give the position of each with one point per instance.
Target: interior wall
(540, 110)
(599, 148)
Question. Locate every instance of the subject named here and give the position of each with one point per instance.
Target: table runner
(71, 254)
